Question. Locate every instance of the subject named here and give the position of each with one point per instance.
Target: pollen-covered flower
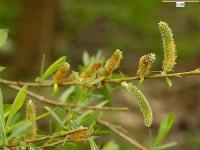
(31, 132)
(169, 47)
(112, 63)
(91, 70)
(79, 134)
(145, 64)
(142, 102)
(61, 72)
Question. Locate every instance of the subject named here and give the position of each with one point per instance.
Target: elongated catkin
(142, 102)
(169, 47)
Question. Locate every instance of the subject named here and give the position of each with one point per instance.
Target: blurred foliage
(9, 13)
(130, 25)
(127, 25)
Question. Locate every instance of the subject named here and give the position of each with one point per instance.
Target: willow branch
(121, 134)
(157, 76)
(117, 80)
(47, 137)
(59, 104)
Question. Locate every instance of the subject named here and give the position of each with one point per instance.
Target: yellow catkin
(80, 134)
(91, 70)
(142, 102)
(31, 132)
(112, 63)
(60, 73)
(13, 141)
(169, 47)
(145, 64)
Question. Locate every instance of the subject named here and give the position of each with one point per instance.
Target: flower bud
(145, 64)
(91, 70)
(60, 73)
(112, 63)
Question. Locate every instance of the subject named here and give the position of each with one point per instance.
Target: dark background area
(70, 27)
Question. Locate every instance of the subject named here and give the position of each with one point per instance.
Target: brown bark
(36, 32)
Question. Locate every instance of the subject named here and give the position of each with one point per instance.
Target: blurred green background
(70, 27)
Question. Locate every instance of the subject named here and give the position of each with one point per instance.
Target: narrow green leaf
(55, 116)
(53, 67)
(93, 145)
(164, 129)
(166, 146)
(42, 65)
(111, 145)
(17, 104)
(90, 129)
(21, 129)
(28, 121)
(65, 95)
(2, 119)
(3, 36)
(169, 82)
(90, 115)
(86, 58)
(2, 68)
(106, 91)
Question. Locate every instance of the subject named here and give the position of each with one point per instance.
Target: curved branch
(59, 104)
(117, 80)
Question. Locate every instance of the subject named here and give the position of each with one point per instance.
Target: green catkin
(112, 63)
(31, 132)
(145, 64)
(142, 102)
(169, 47)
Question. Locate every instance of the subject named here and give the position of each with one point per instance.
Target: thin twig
(59, 104)
(156, 76)
(117, 80)
(121, 134)
(21, 83)
(53, 144)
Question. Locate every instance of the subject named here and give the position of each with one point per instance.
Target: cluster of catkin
(145, 64)
(96, 70)
(170, 56)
